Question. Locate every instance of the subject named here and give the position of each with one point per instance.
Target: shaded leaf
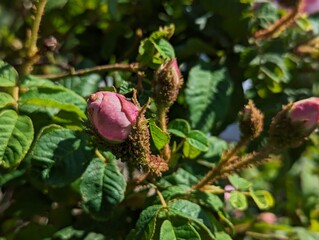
(146, 223)
(102, 187)
(60, 156)
(208, 94)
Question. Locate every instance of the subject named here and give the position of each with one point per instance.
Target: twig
(132, 67)
(31, 44)
(282, 23)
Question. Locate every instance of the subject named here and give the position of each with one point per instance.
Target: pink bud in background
(267, 217)
(308, 6)
(112, 115)
(311, 6)
(228, 189)
(307, 112)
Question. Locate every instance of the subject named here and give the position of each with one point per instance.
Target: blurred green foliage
(51, 194)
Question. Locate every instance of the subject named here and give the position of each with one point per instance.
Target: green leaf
(190, 209)
(238, 200)
(102, 187)
(60, 156)
(179, 127)
(57, 104)
(174, 191)
(198, 140)
(239, 183)
(181, 177)
(167, 231)
(8, 75)
(184, 229)
(182, 212)
(164, 48)
(6, 100)
(159, 137)
(82, 85)
(55, 97)
(222, 236)
(209, 200)
(5, 178)
(16, 136)
(208, 94)
(146, 223)
(51, 4)
(189, 151)
(262, 198)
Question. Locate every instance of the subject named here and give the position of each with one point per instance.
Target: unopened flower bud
(251, 121)
(268, 217)
(296, 121)
(112, 116)
(167, 83)
(308, 6)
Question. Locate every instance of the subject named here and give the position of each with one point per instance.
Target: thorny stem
(31, 44)
(236, 149)
(215, 171)
(162, 120)
(282, 23)
(234, 164)
(132, 67)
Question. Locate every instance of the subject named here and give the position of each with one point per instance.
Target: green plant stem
(132, 67)
(31, 44)
(162, 120)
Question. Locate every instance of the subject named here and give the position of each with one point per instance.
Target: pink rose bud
(168, 82)
(112, 115)
(228, 188)
(307, 112)
(308, 6)
(267, 217)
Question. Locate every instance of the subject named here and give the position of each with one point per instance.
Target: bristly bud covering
(251, 121)
(168, 81)
(136, 149)
(294, 123)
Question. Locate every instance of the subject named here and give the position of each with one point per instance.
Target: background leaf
(208, 96)
(238, 200)
(239, 183)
